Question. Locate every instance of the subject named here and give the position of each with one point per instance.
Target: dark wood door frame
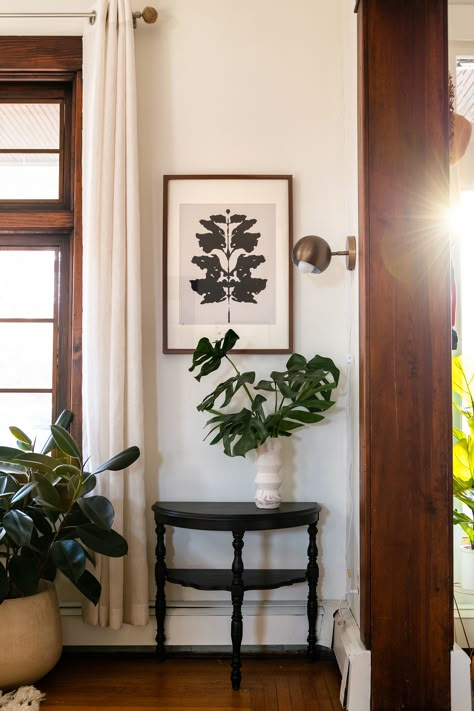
(406, 487)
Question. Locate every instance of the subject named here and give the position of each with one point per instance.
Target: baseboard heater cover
(355, 666)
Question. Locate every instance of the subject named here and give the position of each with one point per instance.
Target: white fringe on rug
(26, 698)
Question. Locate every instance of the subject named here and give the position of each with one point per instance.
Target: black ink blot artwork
(228, 263)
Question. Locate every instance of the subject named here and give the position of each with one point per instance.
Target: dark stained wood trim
(406, 480)
(47, 54)
(364, 335)
(50, 78)
(28, 151)
(35, 221)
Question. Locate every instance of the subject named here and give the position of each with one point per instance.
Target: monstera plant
(277, 406)
(48, 519)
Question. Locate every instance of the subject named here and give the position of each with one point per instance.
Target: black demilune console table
(237, 518)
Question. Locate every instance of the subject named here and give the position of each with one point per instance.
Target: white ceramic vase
(467, 567)
(31, 639)
(268, 479)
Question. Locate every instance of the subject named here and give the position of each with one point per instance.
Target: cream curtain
(112, 338)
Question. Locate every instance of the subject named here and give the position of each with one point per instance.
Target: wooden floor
(116, 682)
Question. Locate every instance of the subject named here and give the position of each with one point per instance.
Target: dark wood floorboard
(124, 682)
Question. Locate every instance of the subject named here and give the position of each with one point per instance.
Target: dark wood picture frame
(262, 212)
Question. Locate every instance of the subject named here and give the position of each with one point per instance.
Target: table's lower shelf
(221, 579)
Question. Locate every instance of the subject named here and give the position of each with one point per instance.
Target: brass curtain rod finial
(312, 254)
(148, 15)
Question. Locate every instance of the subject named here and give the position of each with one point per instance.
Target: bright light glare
(461, 216)
(465, 223)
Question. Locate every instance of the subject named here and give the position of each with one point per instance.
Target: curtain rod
(148, 14)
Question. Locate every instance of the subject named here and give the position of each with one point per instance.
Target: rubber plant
(48, 519)
(288, 400)
(463, 449)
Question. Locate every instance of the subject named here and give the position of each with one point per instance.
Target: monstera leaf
(297, 396)
(208, 357)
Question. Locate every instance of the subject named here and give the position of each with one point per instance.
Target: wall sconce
(312, 254)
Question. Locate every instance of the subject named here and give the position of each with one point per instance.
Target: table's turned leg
(312, 574)
(160, 601)
(237, 592)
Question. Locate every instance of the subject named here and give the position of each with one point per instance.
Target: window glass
(29, 176)
(29, 151)
(465, 87)
(29, 126)
(26, 355)
(25, 274)
(31, 412)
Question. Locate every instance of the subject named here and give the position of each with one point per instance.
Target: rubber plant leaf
(20, 436)
(47, 495)
(99, 540)
(88, 485)
(64, 419)
(65, 441)
(89, 586)
(70, 558)
(3, 583)
(18, 526)
(120, 461)
(23, 492)
(98, 510)
(34, 460)
(24, 573)
(66, 471)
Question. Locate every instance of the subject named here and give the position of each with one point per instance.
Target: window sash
(42, 70)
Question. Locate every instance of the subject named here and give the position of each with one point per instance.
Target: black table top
(234, 516)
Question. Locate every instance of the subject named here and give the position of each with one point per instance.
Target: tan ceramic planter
(31, 640)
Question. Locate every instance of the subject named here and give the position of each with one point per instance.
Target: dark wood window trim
(51, 67)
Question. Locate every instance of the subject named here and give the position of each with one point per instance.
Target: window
(40, 240)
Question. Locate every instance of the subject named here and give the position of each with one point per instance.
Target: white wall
(249, 87)
(353, 498)
(461, 42)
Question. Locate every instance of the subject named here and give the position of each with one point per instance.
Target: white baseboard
(354, 663)
(461, 698)
(201, 624)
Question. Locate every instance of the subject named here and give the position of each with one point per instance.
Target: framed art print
(227, 261)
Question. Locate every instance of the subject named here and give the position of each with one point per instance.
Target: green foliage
(47, 523)
(295, 397)
(463, 449)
